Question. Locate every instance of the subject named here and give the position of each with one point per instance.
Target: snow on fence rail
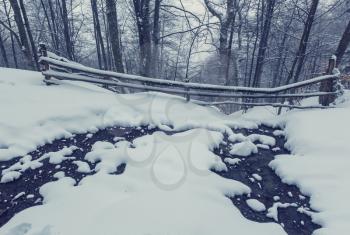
(63, 69)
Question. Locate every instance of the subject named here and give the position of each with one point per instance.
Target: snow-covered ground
(168, 186)
(320, 160)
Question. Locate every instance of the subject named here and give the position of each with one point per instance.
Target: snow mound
(256, 205)
(243, 149)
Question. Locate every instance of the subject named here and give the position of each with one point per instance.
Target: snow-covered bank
(167, 186)
(33, 114)
(320, 160)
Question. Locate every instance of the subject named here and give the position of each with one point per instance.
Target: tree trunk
(30, 35)
(343, 44)
(257, 31)
(300, 57)
(141, 8)
(22, 33)
(229, 59)
(3, 52)
(54, 26)
(155, 37)
(13, 47)
(97, 29)
(281, 51)
(263, 43)
(113, 30)
(225, 23)
(66, 31)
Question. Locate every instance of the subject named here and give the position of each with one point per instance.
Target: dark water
(31, 180)
(271, 185)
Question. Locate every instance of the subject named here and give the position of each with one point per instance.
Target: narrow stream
(266, 191)
(270, 189)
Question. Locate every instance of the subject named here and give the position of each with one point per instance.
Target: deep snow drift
(167, 187)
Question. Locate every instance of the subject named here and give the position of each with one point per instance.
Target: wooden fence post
(44, 66)
(329, 85)
(188, 97)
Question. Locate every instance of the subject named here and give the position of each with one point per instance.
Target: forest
(253, 43)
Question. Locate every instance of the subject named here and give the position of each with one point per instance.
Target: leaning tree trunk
(343, 44)
(300, 57)
(113, 30)
(22, 33)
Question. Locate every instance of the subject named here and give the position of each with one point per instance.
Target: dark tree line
(231, 42)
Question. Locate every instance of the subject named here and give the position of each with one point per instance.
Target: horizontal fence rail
(63, 69)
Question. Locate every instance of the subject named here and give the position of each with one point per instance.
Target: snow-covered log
(128, 77)
(77, 77)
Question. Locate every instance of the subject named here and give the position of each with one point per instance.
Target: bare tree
(263, 42)
(98, 36)
(155, 38)
(225, 20)
(66, 30)
(142, 13)
(343, 44)
(22, 33)
(29, 33)
(300, 56)
(113, 29)
(3, 52)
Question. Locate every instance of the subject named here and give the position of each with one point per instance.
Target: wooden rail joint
(187, 89)
(44, 65)
(331, 84)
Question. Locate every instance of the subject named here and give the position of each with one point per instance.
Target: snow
(167, 179)
(263, 146)
(272, 212)
(256, 205)
(167, 188)
(237, 138)
(232, 161)
(257, 177)
(18, 196)
(59, 175)
(14, 172)
(10, 176)
(59, 156)
(319, 164)
(34, 114)
(263, 139)
(83, 167)
(243, 149)
(278, 133)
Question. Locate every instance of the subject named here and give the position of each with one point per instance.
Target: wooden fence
(327, 91)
